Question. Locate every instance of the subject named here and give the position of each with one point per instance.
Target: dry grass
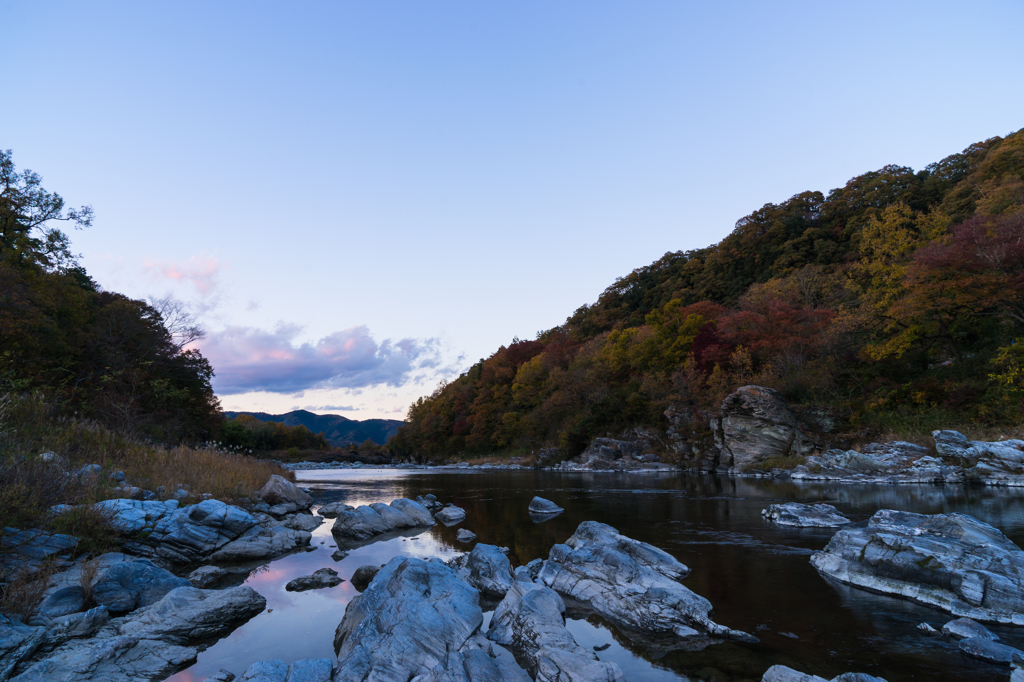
(515, 457)
(87, 577)
(29, 486)
(23, 592)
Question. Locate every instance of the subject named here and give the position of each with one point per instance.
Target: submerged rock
(206, 576)
(325, 577)
(632, 584)
(804, 515)
(465, 535)
(406, 623)
(307, 670)
(376, 519)
(538, 505)
(964, 628)
(530, 620)
(986, 650)
(451, 515)
(780, 673)
(952, 561)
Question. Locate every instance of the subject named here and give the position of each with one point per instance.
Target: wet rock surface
(952, 561)
(325, 577)
(308, 670)
(367, 521)
(805, 515)
(488, 569)
(632, 584)
(539, 505)
(531, 621)
(451, 515)
(780, 673)
(363, 576)
(465, 535)
(280, 491)
(192, 534)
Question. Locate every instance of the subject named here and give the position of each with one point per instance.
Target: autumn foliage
(896, 299)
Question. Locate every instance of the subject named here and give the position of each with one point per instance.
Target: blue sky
(360, 199)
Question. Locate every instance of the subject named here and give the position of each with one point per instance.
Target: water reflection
(756, 574)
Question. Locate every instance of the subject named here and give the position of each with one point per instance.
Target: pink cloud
(249, 359)
(201, 271)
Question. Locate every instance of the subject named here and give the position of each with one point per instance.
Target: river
(756, 574)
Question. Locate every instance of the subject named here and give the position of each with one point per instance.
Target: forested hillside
(338, 430)
(891, 303)
(88, 352)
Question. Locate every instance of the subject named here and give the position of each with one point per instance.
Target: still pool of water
(757, 575)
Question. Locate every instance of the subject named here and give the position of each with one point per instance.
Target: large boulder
(530, 620)
(632, 584)
(134, 516)
(280, 491)
(262, 543)
(151, 643)
(755, 425)
(487, 569)
(325, 577)
(995, 463)
(892, 462)
(952, 561)
(133, 584)
(805, 515)
(451, 515)
(194, 533)
(364, 522)
(538, 505)
(406, 623)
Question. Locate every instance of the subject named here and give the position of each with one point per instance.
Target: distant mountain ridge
(337, 429)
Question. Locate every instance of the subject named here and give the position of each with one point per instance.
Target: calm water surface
(757, 575)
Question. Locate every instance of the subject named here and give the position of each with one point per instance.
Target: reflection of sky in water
(756, 574)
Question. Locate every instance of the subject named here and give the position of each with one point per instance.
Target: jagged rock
(465, 535)
(331, 510)
(928, 630)
(534, 567)
(429, 501)
(63, 602)
(451, 515)
(963, 628)
(952, 561)
(605, 453)
(780, 673)
(75, 626)
(221, 675)
(206, 576)
(194, 533)
(17, 643)
(363, 576)
(530, 620)
(995, 463)
(280, 491)
(20, 546)
(131, 584)
(987, 650)
(151, 643)
(367, 521)
(406, 623)
(631, 584)
(755, 425)
(338, 555)
(892, 462)
(306, 522)
(804, 515)
(262, 543)
(325, 577)
(308, 670)
(538, 505)
(487, 569)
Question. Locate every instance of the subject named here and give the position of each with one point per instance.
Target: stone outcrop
(995, 463)
(151, 643)
(262, 543)
(193, 533)
(307, 670)
(632, 584)
(610, 454)
(780, 673)
(804, 515)
(892, 462)
(756, 425)
(131, 584)
(538, 505)
(279, 491)
(206, 576)
(451, 515)
(134, 516)
(487, 569)
(332, 510)
(364, 522)
(325, 577)
(304, 522)
(965, 628)
(952, 561)
(531, 621)
(465, 535)
(406, 623)
(986, 650)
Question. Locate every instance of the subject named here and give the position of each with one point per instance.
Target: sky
(360, 200)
